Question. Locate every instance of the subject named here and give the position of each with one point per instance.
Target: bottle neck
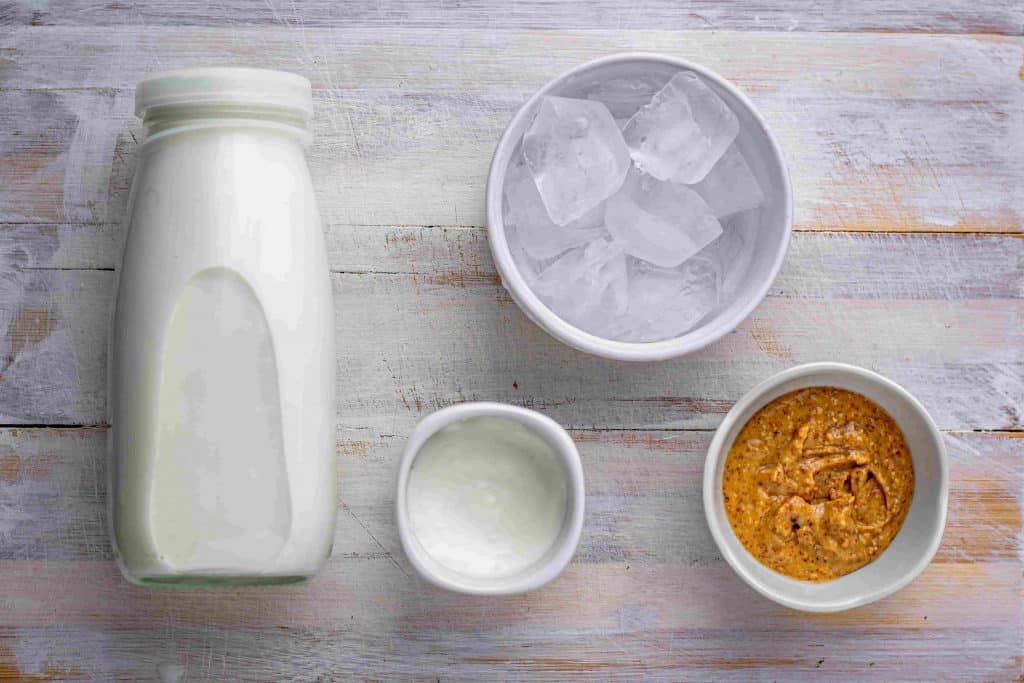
(169, 119)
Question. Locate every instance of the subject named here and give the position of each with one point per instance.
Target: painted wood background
(903, 124)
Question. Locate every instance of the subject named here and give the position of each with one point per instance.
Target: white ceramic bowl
(561, 551)
(762, 153)
(915, 543)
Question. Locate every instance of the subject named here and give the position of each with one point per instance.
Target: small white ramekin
(561, 551)
(762, 152)
(919, 537)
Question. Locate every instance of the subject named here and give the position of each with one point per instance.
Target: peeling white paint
(88, 160)
(170, 672)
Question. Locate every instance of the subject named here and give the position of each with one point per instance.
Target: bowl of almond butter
(826, 487)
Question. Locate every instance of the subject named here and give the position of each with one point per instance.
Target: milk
(486, 497)
(222, 372)
(220, 481)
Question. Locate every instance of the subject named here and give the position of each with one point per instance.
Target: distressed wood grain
(407, 119)
(587, 595)
(908, 167)
(610, 654)
(646, 595)
(928, 16)
(957, 343)
(826, 264)
(643, 496)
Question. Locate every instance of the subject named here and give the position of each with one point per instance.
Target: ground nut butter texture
(817, 483)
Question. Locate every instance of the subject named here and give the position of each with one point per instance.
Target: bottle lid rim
(225, 85)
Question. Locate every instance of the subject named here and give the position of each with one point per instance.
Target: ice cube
(524, 212)
(667, 302)
(586, 286)
(624, 96)
(733, 252)
(576, 155)
(682, 132)
(528, 266)
(660, 222)
(730, 186)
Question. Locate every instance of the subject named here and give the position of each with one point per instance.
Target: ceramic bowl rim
(563, 331)
(545, 570)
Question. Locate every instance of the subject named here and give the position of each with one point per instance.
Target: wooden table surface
(903, 124)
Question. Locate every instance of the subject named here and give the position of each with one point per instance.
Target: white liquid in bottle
(220, 487)
(222, 372)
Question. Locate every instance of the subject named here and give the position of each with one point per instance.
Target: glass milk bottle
(222, 372)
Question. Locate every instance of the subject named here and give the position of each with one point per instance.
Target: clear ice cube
(682, 132)
(524, 213)
(660, 222)
(624, 96)
(730, 185)
(586, 286)
(664, 303)
(576, 155)
(528, 266)
(733, 252)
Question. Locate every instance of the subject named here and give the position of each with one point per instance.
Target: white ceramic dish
(560, 552)
(763, 155)
(918, 539)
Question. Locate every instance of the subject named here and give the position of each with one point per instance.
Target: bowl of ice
(638, 207)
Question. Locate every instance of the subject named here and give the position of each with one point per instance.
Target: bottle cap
(226, 85)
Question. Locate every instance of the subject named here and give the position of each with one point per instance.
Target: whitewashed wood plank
(643, 497)
(825, 264)
(464, 64)
(438, 332)
(211, 654)
(930, 16)
(609, 602)
(407, 119)
(43, 346)
(84, 246)
(586, 596)
(634, 610)
(647, 595)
